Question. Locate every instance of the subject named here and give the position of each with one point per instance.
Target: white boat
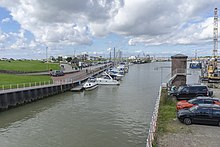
(90, 84)
(124, 67)
(106, 79)
(115, 75)
(116, 70)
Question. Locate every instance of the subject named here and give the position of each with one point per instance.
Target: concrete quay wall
(18, 97)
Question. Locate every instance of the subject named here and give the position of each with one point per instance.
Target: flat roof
(179, 56)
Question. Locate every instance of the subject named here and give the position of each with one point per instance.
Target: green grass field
(22, 80)
(27, 66)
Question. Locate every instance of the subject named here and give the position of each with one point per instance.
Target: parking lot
(192, 135)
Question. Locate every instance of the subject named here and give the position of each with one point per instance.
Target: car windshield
(192, 109)
(180, 88)
(191, 101)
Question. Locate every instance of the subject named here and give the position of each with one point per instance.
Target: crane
(212, 66)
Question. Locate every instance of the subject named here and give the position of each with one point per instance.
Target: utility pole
(215, 34)
(47, 58)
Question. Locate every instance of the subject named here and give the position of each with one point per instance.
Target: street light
(161, 71)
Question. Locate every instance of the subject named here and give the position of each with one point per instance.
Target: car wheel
(187, 121)
(219, 123)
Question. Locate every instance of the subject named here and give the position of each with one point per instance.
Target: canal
(110, 116)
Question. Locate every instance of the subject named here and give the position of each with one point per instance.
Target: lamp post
(161, 72)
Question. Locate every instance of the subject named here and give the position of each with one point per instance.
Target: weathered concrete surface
(196, 136)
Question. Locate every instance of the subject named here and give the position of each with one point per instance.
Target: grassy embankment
(167, 121)
(25, 66)
(22, 81)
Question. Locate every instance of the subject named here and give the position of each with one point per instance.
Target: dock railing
(153, 123)
(25, 85)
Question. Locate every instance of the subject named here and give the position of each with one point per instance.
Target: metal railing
(153, 123)
(25, 85)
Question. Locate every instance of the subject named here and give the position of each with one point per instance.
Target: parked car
(201, 114)
(57, 73)
(196, 101)
(191, 91)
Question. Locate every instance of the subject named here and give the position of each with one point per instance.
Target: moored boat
(106, 79)
(90, 84)
(115, 75)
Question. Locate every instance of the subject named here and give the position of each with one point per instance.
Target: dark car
(57, 73)
(201, 114)
(191, 91)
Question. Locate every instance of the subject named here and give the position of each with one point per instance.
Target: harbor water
(109, 116)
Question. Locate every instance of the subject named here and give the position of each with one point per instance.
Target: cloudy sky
(155, 27)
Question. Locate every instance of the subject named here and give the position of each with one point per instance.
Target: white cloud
(152, 18)
(131, 42)
(68, 22)
(5, 20)
(192, 33)
(150, 22)
(139, 51)
(3, 36)
(109, 49)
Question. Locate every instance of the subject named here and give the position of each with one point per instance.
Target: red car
(199, 100)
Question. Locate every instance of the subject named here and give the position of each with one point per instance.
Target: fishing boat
(90, 84)
(106, 79)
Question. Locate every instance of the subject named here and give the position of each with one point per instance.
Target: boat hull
(91, 87)
(107, 82)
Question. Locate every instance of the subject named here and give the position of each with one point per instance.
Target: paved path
(67, 70)
(195, 136)
(80, 74)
